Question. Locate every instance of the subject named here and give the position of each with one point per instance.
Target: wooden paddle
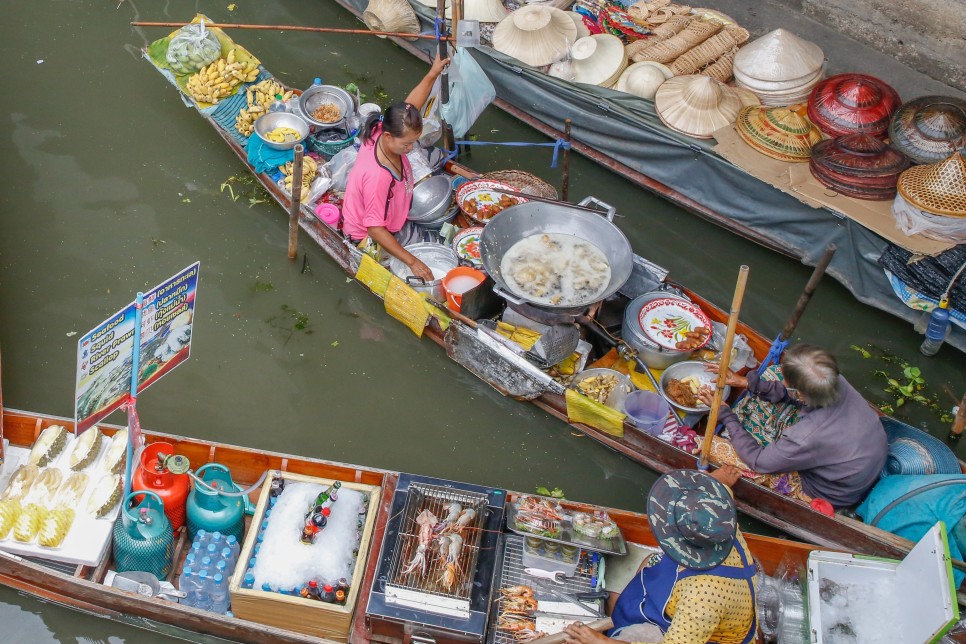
(320, 30)
(723, 366)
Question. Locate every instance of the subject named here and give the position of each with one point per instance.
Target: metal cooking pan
(536, 218)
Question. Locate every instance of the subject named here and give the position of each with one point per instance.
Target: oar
(320, 30)
(779, 344)
(723, 367)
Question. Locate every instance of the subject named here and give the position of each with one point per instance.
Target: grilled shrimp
(465, 518)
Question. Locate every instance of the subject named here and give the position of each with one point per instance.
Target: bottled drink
(319, 520)
(190, 559)
(229, 558)
(219, 594)
(324, 496)
(276, 487)
(217, 539)
(314, 591)
(204, 590)
(266, 587)
(249, 581)
(255, 550)
(317, 82)
(251, 563)
(277, 105)
(221, 566)
(201, 538)
(196, 549)
(340, 596)
(328, 594)
(936, 330)
(212, 551)
(188, 585)
(308, 534)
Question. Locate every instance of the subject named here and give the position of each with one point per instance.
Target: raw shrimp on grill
(452, 513)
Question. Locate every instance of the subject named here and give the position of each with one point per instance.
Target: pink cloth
(368, 201)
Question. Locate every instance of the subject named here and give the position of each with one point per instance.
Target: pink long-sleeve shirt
(374, 196)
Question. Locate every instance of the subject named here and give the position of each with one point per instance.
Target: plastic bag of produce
(192, 48)
(470, 91)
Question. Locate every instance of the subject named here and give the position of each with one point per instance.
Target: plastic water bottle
(212, 550)
(277, 105)
(219, 594)
(204, 591)
(196, 549)
(190, 559)
(201, 538)
(206, 564)
(229, 558)
(218, 539)
(251, 563)
(221, 566)
(188, 584)
(937, 330)
(232, 543)
(249, 580)
(317, 82)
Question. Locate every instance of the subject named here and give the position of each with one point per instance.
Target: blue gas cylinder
(143, 539)
(209, 509)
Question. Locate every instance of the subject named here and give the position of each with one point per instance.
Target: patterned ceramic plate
(466, 243)
(666, 320)
(480, 199)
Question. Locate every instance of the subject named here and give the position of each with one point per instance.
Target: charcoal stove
(416, 608)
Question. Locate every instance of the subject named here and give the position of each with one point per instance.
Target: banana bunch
(219, 79)
(310, 168)
(260, 97)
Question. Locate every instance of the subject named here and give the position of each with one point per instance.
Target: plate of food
(466, 243)
(675, 324)
(682, 382)
(482, 200)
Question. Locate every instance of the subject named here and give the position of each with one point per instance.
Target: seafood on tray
(517, 606)
(426, 520)
(442, 539)
(539, 516)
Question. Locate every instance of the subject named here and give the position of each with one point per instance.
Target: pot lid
(643, 79)
(598, 59)
(939, 188)
(930, 128)
(780, 132)
(535, 34)
(696, 105)
(852, 103)
(779, 56)
(860, 156)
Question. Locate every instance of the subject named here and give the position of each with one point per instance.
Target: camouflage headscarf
(693, 518)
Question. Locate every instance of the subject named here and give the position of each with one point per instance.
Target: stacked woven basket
(932, 200)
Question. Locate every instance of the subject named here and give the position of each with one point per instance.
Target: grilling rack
(510, 573)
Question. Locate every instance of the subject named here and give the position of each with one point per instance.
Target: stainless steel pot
(313, 97)
(652, 354)
(432, 198)
(536, 218)
(439, 258)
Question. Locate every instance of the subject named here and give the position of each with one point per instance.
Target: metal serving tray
(612, 546)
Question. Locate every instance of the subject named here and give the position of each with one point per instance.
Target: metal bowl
(431, 198)
(616, 398)
(268, 122)
(316, 95)
(683, 370)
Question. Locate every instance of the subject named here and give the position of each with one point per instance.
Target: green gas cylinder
(143, 539)
(209, 509)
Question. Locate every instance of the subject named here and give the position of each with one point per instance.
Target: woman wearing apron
(702, 589)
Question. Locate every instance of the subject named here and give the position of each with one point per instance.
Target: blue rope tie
(558, 145)
(439, 26)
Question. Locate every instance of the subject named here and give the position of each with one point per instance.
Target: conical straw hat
(432, 3)
(852, 104)
(779, 56)
(696, 105)
(481, 10)
(391, 15)
(643, 79)
(781, 133)
(939, 188)
(747, 97)
(598, 59)
(578, 19)
(930, 128)
(535, 34)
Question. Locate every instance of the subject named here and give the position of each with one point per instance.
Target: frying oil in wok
(556, 270)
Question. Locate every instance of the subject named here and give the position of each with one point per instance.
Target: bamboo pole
(565, 180)
(321, 30)
(723, 366)
(293, 213)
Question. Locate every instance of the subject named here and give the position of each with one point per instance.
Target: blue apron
(647, 595)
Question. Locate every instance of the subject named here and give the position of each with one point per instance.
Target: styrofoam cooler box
(855, 598)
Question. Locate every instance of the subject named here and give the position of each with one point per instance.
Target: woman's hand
(580, 634)
(727, 474)
(732, 379)
(706, 395)
(439, 64)
(420, 269)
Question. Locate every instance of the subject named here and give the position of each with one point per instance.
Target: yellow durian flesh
(29, 522)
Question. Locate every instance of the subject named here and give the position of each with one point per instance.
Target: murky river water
(111, 185)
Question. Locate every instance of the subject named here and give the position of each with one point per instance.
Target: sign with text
(106, 355)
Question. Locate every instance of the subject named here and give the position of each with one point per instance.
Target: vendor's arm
(417, 97)
(789, 453)
(382, 236)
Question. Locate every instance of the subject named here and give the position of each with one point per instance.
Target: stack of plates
(858, 165)
(780, 68)
(779, 132)
(852, 104)
(930, 128)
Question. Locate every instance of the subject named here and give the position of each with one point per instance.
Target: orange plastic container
(458, 281)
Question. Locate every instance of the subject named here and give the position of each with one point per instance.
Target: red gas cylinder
(152, 475)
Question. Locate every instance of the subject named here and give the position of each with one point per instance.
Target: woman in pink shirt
(380, 188)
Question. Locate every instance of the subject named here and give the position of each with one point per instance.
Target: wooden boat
(666, 164)
(789, 516)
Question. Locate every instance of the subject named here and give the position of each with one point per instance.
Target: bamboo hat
(747, 97)
(852, 104)
(939, 188)
(779, 132)
(930, 128)
(481, 10)
(391, 15)
(643, 79)
(582, 29)
(779, 56)
(696, 105)
(598, 59)
(858, 165)
(535, 34)
(432, 3)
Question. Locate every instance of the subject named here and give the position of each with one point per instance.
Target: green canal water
(110, 185)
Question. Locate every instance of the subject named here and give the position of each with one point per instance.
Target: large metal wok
(536, 218)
